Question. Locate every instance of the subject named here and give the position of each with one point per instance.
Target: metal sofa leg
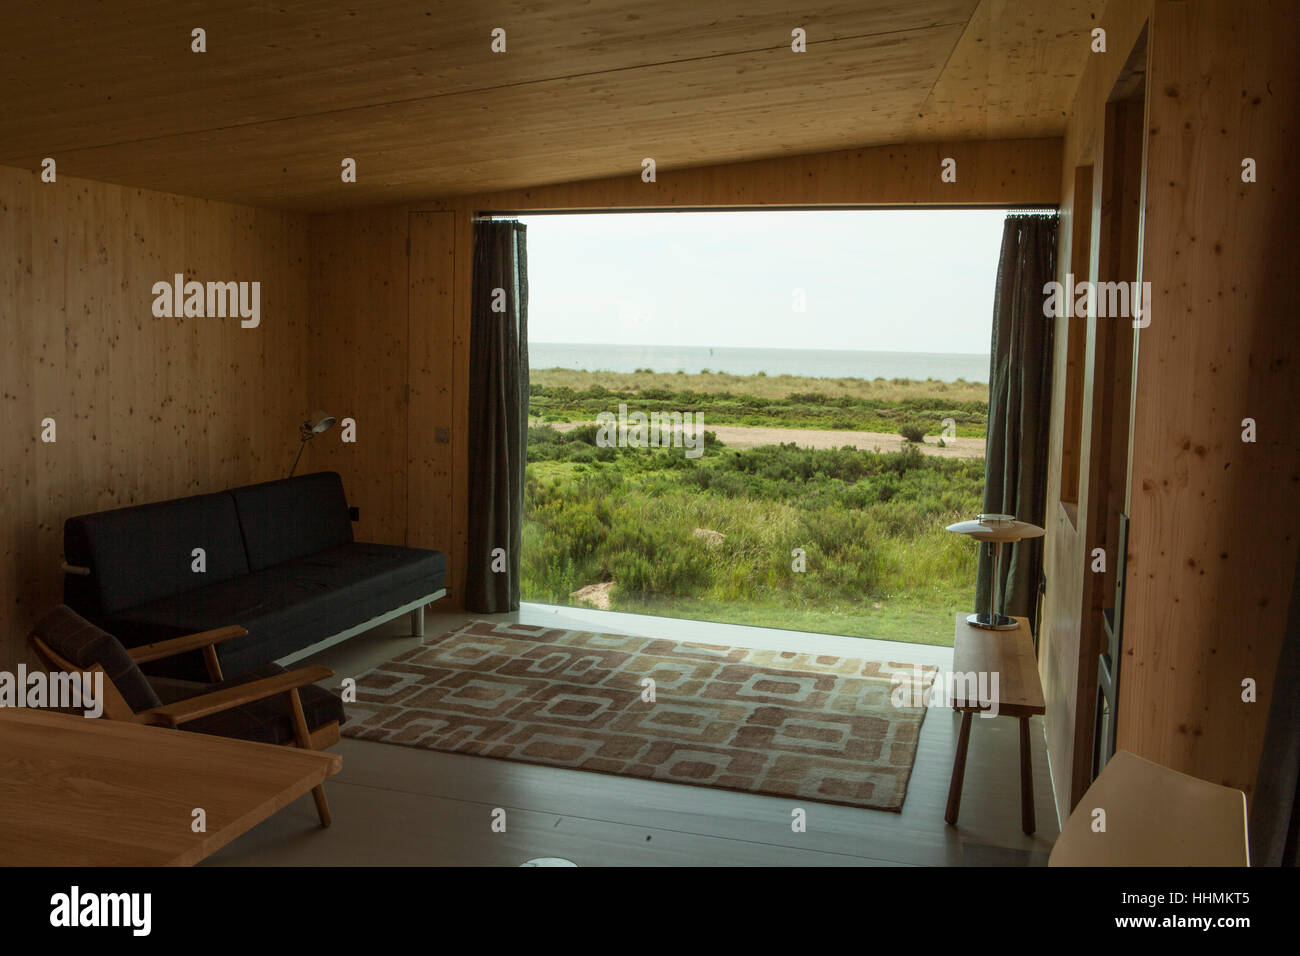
(417, 622)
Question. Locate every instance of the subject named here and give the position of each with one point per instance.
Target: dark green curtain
(498, 415)
(1275, 808)
(1020, 406)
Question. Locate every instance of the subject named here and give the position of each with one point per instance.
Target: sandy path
(751, 436)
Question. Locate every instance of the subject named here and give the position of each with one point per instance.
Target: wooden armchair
(269, 704)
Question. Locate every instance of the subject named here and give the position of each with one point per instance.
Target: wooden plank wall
(145, 408)
(358, 358)
(432, 442)
(1067, 652)
(1212, 539)
(1214, 526)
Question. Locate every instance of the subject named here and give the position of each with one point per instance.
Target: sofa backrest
(146, 553)
(287, 519)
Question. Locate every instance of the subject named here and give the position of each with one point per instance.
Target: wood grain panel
(429, 455)
(509, 135)
(982, 92)
(131, 797)
(146, 408)
(266, 63)
(358, 352)
(584, 90)
(1214, 525)
(1068, 661)
(1113, 341)
(1078, 254)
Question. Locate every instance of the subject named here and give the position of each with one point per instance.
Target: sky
(897, 280)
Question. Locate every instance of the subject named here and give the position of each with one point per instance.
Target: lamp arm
(302, 443)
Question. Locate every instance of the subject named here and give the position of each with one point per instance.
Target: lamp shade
(997, 530)
(318, 422)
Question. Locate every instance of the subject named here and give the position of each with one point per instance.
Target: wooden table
(79, 792)
(1010, 655)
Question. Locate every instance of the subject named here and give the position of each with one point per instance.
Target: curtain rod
(1040, 211)
(484, 215)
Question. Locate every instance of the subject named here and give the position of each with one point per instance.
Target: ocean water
(810, 363)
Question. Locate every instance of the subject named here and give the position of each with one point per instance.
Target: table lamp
(318, 422)
(996, 530)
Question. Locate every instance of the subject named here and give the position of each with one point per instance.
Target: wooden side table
(1010, 655)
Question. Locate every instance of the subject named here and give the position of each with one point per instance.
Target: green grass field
(878, 562)
(782, 401)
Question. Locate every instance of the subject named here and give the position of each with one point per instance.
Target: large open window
(760, 417)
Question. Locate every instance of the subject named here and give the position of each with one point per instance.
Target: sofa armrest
(204, 705)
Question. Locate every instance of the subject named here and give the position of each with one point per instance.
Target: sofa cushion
(145, 553)
(293, 517)
(287, 607)
(267, 721)
(83, 645)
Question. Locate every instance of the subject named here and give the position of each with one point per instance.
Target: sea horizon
(806, 363)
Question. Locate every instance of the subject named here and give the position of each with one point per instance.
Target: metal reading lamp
(996, 530)
(313, 426)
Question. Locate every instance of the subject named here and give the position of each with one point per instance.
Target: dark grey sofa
(280, 562)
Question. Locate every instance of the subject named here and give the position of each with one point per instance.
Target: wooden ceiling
(586, 88)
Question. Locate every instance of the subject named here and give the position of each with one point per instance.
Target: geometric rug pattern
(786, 723)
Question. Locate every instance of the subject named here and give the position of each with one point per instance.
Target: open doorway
(759, 417)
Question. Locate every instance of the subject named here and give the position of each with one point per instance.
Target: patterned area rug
(785, 723)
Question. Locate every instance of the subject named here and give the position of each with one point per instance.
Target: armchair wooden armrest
(205, 641)
(179, 645)
(204, 705)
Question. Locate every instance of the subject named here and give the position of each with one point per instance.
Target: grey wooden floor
(402, 806)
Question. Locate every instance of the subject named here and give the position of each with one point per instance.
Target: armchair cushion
(266, 721)
(84, 645)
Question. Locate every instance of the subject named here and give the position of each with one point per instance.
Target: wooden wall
(1068, 644)
(1212, 542)
(358, 357)
(1215, 521)
(145, 408)
(359, 263)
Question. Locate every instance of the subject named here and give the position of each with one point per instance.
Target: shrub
(912, 432)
